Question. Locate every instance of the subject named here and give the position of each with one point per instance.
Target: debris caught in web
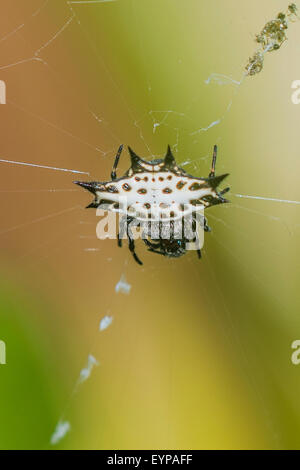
(91, 249)
(255, 64)
(123, 286)
(105, 322)
(271, 38)
(62, 428)
(86, 371)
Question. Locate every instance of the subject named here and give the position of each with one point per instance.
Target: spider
(163, 185)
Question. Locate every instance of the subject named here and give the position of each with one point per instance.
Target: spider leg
(119, 241)
(203, 224)
(213, 164)
(151, 244)
(117, 158)
(123, 228)
(195, 240)
(132, 249)
(224, 191)
(131, 244)
(206, 228)
(156, 251)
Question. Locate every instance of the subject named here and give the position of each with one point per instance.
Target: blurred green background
(199, 353)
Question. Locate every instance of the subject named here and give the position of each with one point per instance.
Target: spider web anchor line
(86, 2)
(37, 191)
(204, 129)
(222, 79)
(18, 28)
(273, 199)
(61, 30)
(11, 33)
(23, 61)
(35, 165)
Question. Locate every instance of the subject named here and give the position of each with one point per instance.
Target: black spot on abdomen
(195, 187)
(112, 189)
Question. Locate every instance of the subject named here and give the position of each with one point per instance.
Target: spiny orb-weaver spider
(162, 184)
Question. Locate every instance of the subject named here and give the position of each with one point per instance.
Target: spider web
(255, 224)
